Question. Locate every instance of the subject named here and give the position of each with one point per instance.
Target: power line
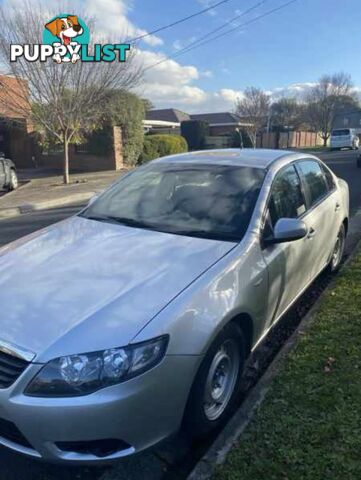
(177, 22)
(229, 22)
(197, 45)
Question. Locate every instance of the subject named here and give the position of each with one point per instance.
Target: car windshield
(209, 201)
(340, 133)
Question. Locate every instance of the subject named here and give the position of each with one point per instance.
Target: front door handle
(311, 233)
(337, 207)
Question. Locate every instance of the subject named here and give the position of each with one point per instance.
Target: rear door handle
(337, 207)
(311, 233)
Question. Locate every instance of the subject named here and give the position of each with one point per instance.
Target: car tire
(14, 183)
(338, 251)
(218, 381)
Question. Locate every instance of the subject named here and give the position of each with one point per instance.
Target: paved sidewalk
(43, 189)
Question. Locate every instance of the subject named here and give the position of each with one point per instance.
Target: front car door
(323, 212)
(288, 263)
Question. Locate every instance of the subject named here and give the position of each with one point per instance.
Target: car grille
(9, 431)
(10, 369)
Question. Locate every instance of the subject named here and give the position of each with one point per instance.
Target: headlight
(76, 375)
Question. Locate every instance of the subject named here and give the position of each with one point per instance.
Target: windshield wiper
(129, 222)
(228, 237)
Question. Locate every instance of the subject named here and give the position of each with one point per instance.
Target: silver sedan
(134, 318)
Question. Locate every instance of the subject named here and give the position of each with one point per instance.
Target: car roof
(247, 157)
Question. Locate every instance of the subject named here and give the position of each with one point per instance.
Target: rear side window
(340, 133)
(329, 178)
(314, 181)
(286, 196)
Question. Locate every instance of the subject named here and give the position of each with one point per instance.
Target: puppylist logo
(66, 39)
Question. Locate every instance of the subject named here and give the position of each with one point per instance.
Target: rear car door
(2, 175)
(288, 263)
(323, 212)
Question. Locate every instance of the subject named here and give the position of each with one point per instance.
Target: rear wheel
(338, 251)
(14, 183)
(217, 383)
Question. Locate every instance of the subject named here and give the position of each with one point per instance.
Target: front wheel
(217, 383)
(14, 183)
(338, 251)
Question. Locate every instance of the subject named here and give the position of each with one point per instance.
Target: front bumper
(140, 413)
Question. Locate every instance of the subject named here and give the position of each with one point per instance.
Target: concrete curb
(217, 453)
(43, 205)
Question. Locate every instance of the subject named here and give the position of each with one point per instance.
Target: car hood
(82, 285)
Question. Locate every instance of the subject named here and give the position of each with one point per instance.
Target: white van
(344, 138)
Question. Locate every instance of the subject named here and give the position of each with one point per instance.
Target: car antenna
(241, 146)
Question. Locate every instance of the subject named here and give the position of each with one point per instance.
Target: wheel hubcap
(221, 380)
(14, 180)
(337, 253)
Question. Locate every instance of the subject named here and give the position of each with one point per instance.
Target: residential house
(19, 142)
(16, 141)
(166, 120)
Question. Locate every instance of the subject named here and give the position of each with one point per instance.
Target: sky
(283, 53)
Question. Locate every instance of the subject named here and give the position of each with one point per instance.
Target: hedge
(195, 132)
(156, 146)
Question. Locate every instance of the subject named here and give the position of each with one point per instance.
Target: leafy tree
(195, 131)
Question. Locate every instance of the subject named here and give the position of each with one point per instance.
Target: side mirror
(288, 230)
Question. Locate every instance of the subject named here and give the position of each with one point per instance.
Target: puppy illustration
(66, 29)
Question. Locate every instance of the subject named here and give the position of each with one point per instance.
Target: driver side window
(286, 199)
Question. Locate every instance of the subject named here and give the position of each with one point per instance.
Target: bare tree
(286, 113)
(324, 100)
(64, 100)
(254, 106)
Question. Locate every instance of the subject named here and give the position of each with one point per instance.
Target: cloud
(180, 44)
(297, 90)
(207, 3)
(110, 17)
(114, 21)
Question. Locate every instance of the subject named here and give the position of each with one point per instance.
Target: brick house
(19, 142)
(15, 127)
(220, 124)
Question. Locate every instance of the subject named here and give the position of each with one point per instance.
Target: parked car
(135, 317)
(344, 138)
(8, 176)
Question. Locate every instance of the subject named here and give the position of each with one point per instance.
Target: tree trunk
(66, 160)
(325, 141)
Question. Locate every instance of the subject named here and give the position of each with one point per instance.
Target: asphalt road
(151, 466)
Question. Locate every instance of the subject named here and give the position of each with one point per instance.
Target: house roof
(167, 115)
(220, 118)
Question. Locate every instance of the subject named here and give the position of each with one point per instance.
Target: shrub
(195, 132)
(127, 110)
(161, 145)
